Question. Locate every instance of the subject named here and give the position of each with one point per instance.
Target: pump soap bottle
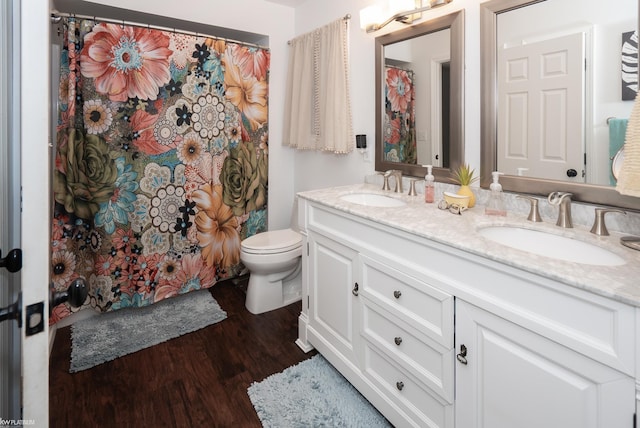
(429, 189)
(495, 205)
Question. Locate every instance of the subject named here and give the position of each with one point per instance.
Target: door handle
(462, 356)
(75, 294)
(13, 261)
(13, 311)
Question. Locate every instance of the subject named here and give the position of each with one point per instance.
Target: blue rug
(106, 337)
(312, 394)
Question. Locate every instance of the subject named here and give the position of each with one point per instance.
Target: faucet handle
(534, 213)
(397, 174)
(385, 178)
(599, 227)
(412, 186)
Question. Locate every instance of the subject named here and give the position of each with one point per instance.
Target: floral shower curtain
(399, 119)
(161, 162)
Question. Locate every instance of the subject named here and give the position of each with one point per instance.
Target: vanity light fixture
(405, 11)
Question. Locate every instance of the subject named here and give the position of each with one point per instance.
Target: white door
(28, 28)
(511, 377)
(540, 114)
(9, 234)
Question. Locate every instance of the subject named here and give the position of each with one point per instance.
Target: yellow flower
(217, 227)
(248, 94)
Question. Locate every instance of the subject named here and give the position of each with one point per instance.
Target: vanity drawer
(409, 299)
(428, 361)
(399, 386)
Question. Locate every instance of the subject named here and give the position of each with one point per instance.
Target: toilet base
(266, 292)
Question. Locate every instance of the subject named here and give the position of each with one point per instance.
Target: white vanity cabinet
(385, 328)
(512, 377)
(333, 308)
(391, 311)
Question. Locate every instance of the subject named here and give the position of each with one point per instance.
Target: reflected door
(540, 118)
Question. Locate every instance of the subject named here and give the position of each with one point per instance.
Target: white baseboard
(52, 337)
(67, 321)
(77, 316)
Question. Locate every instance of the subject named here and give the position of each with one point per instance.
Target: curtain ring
(122, 25)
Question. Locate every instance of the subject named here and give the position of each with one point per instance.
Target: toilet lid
(273, 241)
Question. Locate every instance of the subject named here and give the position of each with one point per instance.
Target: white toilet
(274, 262)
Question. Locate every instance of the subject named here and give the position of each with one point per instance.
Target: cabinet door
(333, 275)
(512, 377)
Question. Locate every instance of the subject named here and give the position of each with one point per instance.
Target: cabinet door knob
(462, 356)
(397, 294)
(355, 289)
(399, 385)
(398, 340)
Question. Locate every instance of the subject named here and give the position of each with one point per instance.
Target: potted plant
(465, 176)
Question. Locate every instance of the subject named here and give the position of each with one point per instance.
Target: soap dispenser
(495, 205)
(429, 189)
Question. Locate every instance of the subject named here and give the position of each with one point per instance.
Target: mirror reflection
(416, 92)
(419, 97)
(563, 73)
(601, 26)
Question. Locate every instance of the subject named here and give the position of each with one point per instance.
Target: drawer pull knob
(399, 385)
(398, 340)
(397, 294)
(355, 289)
(462, 356)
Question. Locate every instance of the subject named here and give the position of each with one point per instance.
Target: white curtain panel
(318, 104)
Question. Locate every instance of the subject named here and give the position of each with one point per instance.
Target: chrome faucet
(563, 201)
(397, 174)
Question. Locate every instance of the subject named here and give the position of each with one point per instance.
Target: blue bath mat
(312, 394)
(106, 337)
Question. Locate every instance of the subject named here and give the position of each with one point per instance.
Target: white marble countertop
(620, 282)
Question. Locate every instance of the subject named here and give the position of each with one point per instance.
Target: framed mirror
(420, 98)
(560, 128)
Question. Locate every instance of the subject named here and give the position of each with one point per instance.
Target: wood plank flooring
(197, 380)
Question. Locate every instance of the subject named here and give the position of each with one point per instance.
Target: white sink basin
(372, 200)
(551, 245)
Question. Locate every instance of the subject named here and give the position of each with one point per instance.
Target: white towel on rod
(629, 178)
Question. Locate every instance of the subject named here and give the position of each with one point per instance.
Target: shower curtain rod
(345, 18)
(57, 16)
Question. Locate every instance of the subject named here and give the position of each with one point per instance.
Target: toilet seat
(271, 242)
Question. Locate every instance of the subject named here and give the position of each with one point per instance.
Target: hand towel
(629, 178)
(617, 133)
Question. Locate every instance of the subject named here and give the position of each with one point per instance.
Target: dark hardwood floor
(197, 380)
